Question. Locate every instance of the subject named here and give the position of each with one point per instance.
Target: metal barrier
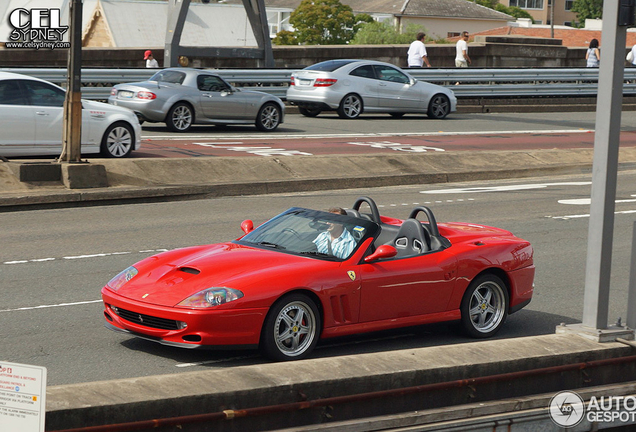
(466, 83)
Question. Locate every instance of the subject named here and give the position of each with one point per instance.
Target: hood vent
(190, 270)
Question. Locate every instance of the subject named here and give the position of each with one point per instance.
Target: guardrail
(474, 83)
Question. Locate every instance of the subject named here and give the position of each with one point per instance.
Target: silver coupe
(352, 87)
(181, 97)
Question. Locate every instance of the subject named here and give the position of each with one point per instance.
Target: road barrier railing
(466, 83)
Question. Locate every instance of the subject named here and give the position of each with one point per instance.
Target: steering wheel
(375, 214)
(431, 219)
(293, 232)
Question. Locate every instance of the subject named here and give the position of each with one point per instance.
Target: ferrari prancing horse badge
(352, 275)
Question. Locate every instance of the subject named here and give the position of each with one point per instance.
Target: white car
(31, 121)
(352, 87)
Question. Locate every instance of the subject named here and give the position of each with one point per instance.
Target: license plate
(304, 82)
(125, 94)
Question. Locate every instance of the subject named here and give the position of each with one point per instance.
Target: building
(541, 10)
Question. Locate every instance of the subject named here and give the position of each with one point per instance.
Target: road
(328, 134)
(53, 264)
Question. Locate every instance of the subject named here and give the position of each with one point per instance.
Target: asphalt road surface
(53, 264)
(328, 134)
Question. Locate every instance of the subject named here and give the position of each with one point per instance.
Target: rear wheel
(291, 328)
(309, 112)
(484, 307)
(439, 106)
(350, 106)
(118, 141)
(180, 117)
(268, 117)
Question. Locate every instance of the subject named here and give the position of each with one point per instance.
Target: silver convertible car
(181, 97)
(352, 87)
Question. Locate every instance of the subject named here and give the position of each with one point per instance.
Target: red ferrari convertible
(307, 275)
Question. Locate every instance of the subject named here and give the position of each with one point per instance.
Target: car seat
(411, 239)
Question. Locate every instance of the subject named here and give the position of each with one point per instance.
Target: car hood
(167, 279)
(100, 106)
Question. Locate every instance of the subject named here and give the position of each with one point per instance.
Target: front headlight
(121, 279)
(212, 297)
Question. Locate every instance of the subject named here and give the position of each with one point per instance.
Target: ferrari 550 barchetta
(307, 275)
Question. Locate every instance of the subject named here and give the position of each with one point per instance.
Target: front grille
(146, 320)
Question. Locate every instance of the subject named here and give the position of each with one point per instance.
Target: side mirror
(247, 226)
(413, 81)
(384, 251)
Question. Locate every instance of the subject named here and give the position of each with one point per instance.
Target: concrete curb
(189, 178)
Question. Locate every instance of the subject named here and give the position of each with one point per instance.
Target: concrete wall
(489, 51)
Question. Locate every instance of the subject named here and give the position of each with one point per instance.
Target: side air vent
(190, 270)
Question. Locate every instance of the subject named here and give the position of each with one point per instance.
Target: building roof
(424, 8)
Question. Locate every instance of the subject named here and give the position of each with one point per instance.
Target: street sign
(22, 397)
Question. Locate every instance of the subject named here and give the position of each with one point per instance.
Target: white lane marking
(426, 202)
(260, 151)
(579, 216)
(99, 255)
(588, 201)
(352, 135)
(506, 188)
(398, 146)
(51, 306)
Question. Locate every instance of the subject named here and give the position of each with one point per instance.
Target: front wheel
(268, 117)
(180, 117)
(291, 328)
(350, 106)
(118, 141)
(484, 307)
(439, 106)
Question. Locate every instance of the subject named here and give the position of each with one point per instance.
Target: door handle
(42, 113)
(382, 85)
(207, 95)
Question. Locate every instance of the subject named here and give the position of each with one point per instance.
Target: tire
(438, 107)
(180, 117)
(350, 106)
(397, 115)
(295, 316)
(484, 307)
(268, 117)
(309, 112)
(118, 141)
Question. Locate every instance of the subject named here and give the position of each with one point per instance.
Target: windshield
(312, 233)
(329, 65)
(168, 76)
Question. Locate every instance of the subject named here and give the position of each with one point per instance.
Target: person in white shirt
(151, 62)
(417, 55)
(633, 56)
(337, 240)
(462, 59)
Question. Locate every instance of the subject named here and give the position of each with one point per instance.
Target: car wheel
(180, 117)
(350, 106)
(439, 106)
(308, 112)
(397, 115)
(484, 307)
(268, 117)
(291, 328)
(118, 141)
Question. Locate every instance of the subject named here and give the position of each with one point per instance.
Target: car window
(44, 94)
(388, 73)
(329, 66)
(11, 93)
(363, 72)
(211, 83)
(169, 76)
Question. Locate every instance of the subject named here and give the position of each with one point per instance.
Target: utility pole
(72, 131)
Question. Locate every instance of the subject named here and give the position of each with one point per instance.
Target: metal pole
(631, 293)
(72, 131)
(604, 170)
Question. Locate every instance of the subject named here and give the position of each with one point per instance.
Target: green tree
(285, 37)
(326, 22)
(514, 11)
(587, 9)
(381, 33)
